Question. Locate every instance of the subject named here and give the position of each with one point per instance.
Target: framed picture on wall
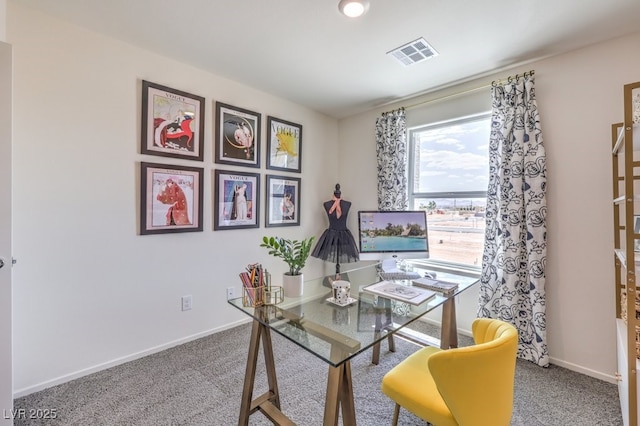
(283, 201)
(237, 136)
(284, 145)
(170, 198)
(236, 200)
(172, 122)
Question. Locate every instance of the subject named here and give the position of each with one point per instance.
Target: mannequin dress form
(336, 244)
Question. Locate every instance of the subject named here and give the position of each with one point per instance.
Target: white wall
(89, 291)
(3, 20)
(579, 96)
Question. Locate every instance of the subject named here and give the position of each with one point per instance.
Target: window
(448, 177)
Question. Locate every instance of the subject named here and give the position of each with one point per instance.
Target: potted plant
(295, 254)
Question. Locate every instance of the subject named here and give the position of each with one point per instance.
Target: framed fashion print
(172, 122)
(237, 136)
(283, 201)
(170, 198)
(236, 200)
(284, 145)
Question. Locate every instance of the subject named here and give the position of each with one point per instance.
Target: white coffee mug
(341, 291)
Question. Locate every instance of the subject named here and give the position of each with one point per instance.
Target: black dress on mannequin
(336, 244)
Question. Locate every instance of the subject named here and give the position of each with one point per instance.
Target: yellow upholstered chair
(465, 386)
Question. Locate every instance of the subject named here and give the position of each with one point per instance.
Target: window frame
(411, 179)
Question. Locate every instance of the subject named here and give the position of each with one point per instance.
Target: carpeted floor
(200, 383)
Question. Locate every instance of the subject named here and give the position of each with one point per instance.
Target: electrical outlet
(230, 293)
(186, 303)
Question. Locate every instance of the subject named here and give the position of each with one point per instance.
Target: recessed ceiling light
(353, 8)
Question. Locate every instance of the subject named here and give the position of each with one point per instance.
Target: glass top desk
(336, 334)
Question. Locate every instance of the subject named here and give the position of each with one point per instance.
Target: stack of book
(444, 287)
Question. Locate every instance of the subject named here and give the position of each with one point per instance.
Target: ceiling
(307, 52)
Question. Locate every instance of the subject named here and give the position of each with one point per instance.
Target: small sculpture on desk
(336, 244)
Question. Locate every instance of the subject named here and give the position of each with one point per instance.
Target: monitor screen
(393, 234)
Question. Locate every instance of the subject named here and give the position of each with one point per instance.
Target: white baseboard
(103, 366)
(84, 372)
(586, 371)
(555, 361)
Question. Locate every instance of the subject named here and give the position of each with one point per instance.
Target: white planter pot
(292, 285)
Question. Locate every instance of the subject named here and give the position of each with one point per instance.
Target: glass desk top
(337, 333)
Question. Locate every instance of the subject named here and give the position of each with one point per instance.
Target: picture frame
(284, 145)
(237, 136)
(282, 201)
(172, 122)
(236, 200)
(170, 198)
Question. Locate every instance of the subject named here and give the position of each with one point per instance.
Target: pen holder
(263, 295)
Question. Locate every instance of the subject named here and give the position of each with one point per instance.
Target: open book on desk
(402, 293)
(444, 287)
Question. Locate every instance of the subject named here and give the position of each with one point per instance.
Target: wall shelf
(626, 175)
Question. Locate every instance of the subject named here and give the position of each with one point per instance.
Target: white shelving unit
(626, 205)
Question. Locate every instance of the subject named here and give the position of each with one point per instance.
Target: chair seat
(411, 386)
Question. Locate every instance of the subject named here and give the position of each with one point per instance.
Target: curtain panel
(512, 284)
(391, 150)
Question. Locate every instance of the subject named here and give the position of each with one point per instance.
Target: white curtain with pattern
(512, 285)
(391, 150)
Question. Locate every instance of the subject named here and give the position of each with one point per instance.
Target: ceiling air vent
(414, 52)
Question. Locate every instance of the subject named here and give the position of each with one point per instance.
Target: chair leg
(396, 413)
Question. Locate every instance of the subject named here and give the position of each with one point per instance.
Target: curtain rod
(464, 92)
(516, 77)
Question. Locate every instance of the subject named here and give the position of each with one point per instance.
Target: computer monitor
(393, 235)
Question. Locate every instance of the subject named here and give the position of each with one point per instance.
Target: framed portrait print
(172, 122)
(236, 200)
(283, 201)
(170, 198)
(284, 145)
(237, 136)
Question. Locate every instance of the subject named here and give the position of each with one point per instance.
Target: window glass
(448, 175)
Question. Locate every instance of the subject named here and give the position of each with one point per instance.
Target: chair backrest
(476, 382)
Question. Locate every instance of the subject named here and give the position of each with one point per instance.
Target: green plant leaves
(295, 253)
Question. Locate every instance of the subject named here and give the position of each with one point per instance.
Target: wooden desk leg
(258, 332)
(379, 328)
(250, 374)
(339, 395)
(346, 396)
(270, 366)
(449, 331)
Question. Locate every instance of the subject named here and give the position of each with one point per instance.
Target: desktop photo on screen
(393, 234)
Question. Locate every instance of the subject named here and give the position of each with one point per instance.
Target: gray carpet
(200, 383)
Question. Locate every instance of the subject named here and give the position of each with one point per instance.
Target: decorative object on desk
(236, 200)
(257, 289)
(400, 292)
(295, 254)
(390, 269)
(444, 287)
(341, 291)
(170, 198)
(283, 201)
(349, 301)
(336, 244)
